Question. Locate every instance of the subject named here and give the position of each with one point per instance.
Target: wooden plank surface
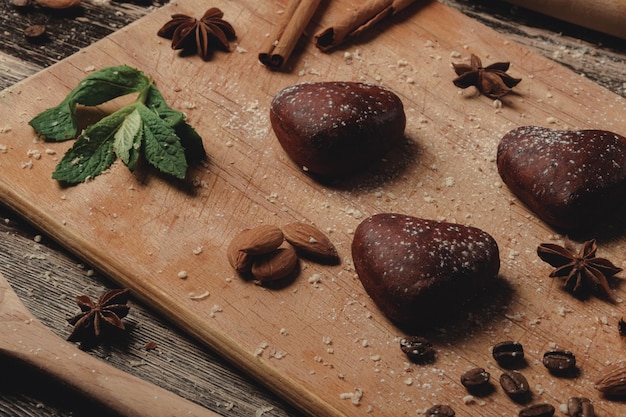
(459, 128)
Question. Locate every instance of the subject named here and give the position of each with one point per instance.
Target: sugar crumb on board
(315, 280)
(277, 354)
(199, 294)
(354, 397)
(261, 348)
(216, 309)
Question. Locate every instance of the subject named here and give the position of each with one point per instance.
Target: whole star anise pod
(580, 270)
(201, 36)
(492, 80)
(109, 310)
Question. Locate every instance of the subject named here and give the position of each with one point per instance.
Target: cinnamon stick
(357, 21)
(279, 46)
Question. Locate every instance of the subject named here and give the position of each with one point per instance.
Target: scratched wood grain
(320, 343)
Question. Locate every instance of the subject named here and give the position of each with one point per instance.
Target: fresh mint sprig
(148, 127)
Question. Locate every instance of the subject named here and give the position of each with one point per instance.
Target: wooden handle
(24, 338)
(607, 16)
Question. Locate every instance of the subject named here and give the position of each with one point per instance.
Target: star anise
(580, 270)
(492, 80)
(201, 36)
(109, 310)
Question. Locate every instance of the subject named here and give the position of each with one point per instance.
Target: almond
(276, 265)
(58, 4)
(612, 381)
(239, 260)
(260, 240)
(310, 240)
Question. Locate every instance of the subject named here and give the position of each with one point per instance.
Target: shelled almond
(261, 252)
(275, 265)
(58, 4)
(612, 380)
(238, 259)
(260, 240)
(310, 240)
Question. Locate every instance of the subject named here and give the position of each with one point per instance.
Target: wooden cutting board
(320, 342)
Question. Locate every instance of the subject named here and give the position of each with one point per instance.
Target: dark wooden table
(47, 278)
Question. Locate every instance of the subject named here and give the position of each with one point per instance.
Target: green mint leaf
(191, 141)
(171, 117)
(59, 123)
(154, 99)
(162, 148)
(93, 151)
(127, 139)
(56, 123)
(149, 125)
(109, 83)
(156, 102)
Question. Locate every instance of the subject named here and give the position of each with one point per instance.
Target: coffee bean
(508, 353)
(476, 381)
(580, 407)
(559, 361)
(440, 410)
(515, 385)
(537, 410)
(417, 349)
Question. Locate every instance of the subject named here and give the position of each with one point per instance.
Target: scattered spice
(492, 80)
(199, 36)
(477, 381)
(35, 31)
(440, 410)
(417, 349)
(537, 410)
(109, 310)
(508, 354)
(580, 407)
(357, 20)
(579, 270)
(280, 44)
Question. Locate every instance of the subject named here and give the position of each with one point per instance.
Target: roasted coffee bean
(580, 407)
(508, 353)
(515, 385)
(537, 410)
(476, 381)
(440, 410)
(559, 361)
(417, 349)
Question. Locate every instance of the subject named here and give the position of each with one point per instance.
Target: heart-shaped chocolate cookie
(335, 128)
(573, 180)
(420, 271)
